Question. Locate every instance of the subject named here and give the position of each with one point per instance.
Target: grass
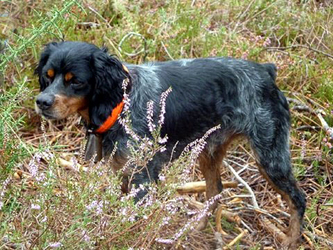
(45, 206)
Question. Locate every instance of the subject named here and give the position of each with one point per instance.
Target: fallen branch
(270, 227)
(327, 129)
(301, 107)
(253, 197)
(218, 217)
(234, 241)
(230, 216)
(200, 186)
(70, 165)
(300, 46)
(319, 238)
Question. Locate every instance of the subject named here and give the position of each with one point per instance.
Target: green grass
(295, 35)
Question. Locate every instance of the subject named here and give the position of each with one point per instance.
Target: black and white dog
(238, 95)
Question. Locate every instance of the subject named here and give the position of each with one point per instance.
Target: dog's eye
(50, 74)
(76, 83)
(69, 76)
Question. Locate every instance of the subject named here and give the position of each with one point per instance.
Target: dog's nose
(45, 101)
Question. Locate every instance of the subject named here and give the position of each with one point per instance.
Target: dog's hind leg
(270, 141)
(210, 163)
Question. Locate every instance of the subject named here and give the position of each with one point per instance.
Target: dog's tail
(271, 69)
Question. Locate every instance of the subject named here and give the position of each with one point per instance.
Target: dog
(240, 96)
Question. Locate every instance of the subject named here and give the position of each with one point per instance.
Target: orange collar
(111, 120)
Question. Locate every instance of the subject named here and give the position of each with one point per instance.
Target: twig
(166, 50)
(253, 197)
(319, 238)
(129, 35)
(262, 211)
(303, 107)
(247, 227)
(308, 127)
(71, 165)
(300, 46)
(234, 241)
(218, 220)
(269, 226)
(97, 13)
(200, 186)
(327, 129)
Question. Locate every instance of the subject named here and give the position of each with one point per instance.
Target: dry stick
(300, 46)
(319, 238)
(230, 216)
(234, 241)
(200, 186)
(253, 197)
(218, 220)
(272, 229)
(303, 107)
(70, 165)
(166, 50)
(266, 223)
(326, 128)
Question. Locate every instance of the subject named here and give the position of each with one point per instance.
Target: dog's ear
(42, 61)
(107, 93)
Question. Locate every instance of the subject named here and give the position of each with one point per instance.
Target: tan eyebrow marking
(68, 76)
(50, 73)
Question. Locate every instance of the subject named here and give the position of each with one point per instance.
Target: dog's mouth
(47, 114)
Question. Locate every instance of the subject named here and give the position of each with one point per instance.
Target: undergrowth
(50, 197)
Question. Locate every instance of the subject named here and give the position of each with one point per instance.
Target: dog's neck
(84, 113)
(94, 146)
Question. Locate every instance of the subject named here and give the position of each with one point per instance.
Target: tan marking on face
(50, 73)
(65, 106)
(68, 76)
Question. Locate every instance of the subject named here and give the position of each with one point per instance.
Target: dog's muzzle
(45, 101)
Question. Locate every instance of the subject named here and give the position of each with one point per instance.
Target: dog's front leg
(140, 181)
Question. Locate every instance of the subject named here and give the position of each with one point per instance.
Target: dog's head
(78, 77)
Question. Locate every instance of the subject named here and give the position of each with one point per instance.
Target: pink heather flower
(44, 219)
(92, 205)
(4, 187)
(245, 55)
(162, 105)
(55, 245)
(35, 206)
(195, 148)
(165, 221)
(86, 237)
(97, 206)
(267, 42)
(303, 148)
(75, 164)
(124, 121)
(35, 161)
(198, 217)
(131, 218)
(41, 177)
(161, 177)
(32, 166)
(163, 140)
(165, 241)
(150, 114)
